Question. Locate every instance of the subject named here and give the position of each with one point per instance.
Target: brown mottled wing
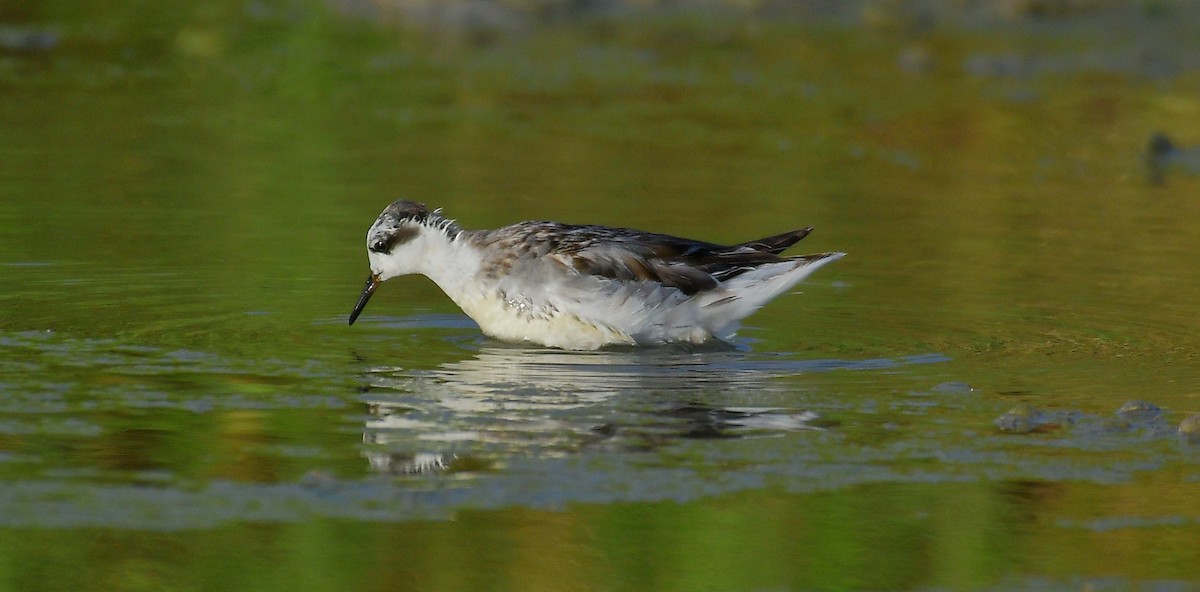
(630, 255)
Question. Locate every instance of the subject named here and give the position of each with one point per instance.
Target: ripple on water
(56, 374)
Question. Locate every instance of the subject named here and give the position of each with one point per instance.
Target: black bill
(372, 283)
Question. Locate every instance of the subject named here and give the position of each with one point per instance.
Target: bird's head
(397, 243)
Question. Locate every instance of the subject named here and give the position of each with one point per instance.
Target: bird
(584, 287)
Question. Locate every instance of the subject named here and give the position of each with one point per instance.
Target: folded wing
(688, 265)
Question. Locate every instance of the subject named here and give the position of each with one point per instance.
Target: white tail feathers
(739, 297)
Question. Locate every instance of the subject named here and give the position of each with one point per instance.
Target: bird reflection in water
(468, 416)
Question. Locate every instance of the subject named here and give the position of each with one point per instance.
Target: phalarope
(584, 287)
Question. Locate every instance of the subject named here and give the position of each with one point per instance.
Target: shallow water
(183, 197)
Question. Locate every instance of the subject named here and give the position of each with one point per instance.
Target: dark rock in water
(1159, 145)
(1157, 151)
(956, 388)
(1163, 156)
(1139, 412)
(1022, 419)
(1189, 429)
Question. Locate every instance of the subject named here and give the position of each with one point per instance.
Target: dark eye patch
(399, 236)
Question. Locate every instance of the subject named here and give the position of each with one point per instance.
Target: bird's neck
(449, 260)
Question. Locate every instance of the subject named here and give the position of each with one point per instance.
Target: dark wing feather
(778, 243)
(632, 255)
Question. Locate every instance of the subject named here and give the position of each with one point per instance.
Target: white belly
(512, 321)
